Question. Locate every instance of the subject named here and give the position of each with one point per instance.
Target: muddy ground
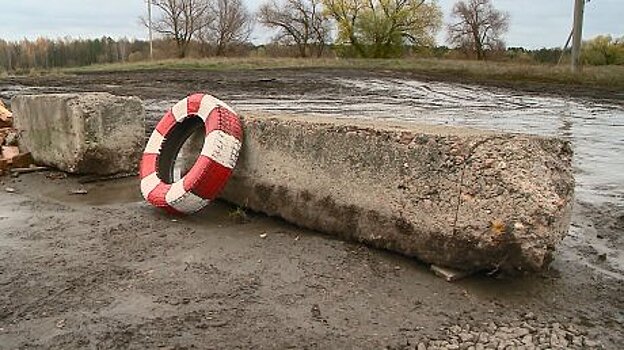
(104, 270)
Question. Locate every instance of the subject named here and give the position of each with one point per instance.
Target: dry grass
(604, 76)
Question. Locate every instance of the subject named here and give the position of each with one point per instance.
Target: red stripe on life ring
(148, 165)
(157, 198)
(193, 103)
(166, 123)
(222, 119)
(207, 178)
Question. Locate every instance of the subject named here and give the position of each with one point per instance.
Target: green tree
(603, 50)
(382, 28)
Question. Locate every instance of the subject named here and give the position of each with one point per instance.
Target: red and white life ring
(211, 171)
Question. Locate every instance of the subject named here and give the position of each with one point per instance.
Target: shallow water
(596, 130)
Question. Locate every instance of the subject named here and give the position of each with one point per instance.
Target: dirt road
(104, 271)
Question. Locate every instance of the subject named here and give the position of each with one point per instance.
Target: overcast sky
(534, 23)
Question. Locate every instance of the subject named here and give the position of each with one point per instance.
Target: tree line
(305, 28)
(67, 52)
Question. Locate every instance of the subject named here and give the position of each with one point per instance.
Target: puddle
(98, 194)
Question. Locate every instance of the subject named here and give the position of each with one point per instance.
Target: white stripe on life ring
(189, 203)
(148, 184)
(208, 104)
(176, 191)
(180, 110)
(155, 143)
(221, 147)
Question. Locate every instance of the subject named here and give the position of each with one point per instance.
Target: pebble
(465, 337)
(526, 334)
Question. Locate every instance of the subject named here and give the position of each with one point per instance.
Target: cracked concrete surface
(455, 197)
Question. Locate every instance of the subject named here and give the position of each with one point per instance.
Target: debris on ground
(11, 156)
(239, 216)
(57, 175)
(6, 117)
(80, 191)
(448, 274)
(60, 324)
(8, 152)
(527, 334)
(31, 169)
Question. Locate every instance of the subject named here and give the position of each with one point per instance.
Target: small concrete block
(88, 133)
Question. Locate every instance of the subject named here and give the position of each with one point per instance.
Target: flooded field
(595, 129)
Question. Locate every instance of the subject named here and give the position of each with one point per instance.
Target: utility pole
(579, 9)
(149, 23)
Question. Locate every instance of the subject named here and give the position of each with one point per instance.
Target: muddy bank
(106, 271)
(297, 80)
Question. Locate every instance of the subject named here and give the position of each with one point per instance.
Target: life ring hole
(181, 149)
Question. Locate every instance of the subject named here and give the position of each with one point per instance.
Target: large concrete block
(454, 197)
(90, 133)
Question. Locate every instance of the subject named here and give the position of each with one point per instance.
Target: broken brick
(8, 152)
(4, 165)
(6, 117)
(22, 160)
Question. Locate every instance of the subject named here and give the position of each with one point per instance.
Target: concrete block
(453, 197)
(90, 133)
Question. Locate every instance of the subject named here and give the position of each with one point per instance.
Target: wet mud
(103, 270)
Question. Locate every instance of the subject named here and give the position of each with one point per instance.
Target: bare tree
(480, 27)
(227, 22)
(301, 22)
(180, 20)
